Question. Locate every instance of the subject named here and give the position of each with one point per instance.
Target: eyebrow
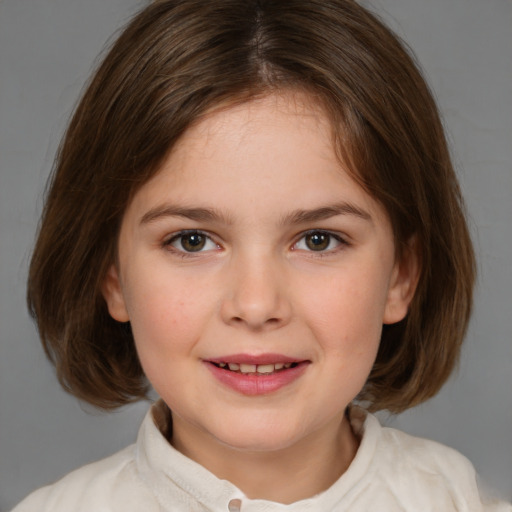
(326, 212)
(300, 216)
(197, 214)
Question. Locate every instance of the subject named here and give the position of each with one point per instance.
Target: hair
(179, 59)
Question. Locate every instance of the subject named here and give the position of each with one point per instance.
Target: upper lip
(256, 359)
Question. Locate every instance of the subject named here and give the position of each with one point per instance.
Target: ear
(403, 283)
(113, 295)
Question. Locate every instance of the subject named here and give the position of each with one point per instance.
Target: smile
(257, 375)
(255, 369)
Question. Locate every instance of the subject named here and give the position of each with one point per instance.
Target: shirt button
(235, 505)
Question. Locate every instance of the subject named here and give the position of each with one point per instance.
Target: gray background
(47, 48)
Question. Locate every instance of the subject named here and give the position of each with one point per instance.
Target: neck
(284, 476)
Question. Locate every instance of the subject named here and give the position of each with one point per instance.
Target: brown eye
(192, 242)
(317, 241)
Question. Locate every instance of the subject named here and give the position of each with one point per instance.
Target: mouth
(256, 369)
(257, 374)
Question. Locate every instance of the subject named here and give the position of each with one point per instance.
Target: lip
(254, 385)
(254, 359)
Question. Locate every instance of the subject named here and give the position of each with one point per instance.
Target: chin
(259, 436)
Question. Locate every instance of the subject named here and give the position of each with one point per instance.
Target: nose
(257, 295)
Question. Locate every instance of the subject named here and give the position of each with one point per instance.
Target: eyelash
(332, 236)
(168, 243)
(183, 253)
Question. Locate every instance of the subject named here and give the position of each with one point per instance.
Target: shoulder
(426, 455)
(418, 470)
(393, 448)
(441, 470)
(87, 488)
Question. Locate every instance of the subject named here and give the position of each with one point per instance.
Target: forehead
(252, 126)
(249, 156)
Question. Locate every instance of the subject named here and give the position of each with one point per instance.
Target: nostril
(256, 323)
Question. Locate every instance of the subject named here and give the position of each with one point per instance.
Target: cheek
(345, 312)
(167, 322)
(346, 302)
(166, 315)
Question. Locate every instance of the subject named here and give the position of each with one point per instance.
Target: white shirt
(392, 472)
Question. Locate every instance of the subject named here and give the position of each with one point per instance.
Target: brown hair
(177, 60)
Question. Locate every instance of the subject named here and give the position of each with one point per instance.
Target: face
(256, 275)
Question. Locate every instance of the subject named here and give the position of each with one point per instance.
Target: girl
(254, 211)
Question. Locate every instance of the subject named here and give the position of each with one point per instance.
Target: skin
(257, 287)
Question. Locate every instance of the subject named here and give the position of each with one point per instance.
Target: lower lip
(253, 385)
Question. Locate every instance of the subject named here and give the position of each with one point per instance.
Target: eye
(191, 241)
(319, 241)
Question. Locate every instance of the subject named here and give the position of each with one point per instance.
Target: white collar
(174, 478)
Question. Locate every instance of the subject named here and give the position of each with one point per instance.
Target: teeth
(265, 368)
(253, 368)
(247, 368)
